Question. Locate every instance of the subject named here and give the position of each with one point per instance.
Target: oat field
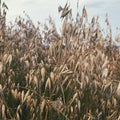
(73, 74)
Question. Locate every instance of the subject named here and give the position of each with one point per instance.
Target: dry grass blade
(9, 59)
(18, 116)
(35, 80)
(22, 96)
(52, 76)
(74, 97)
(84, 13)
(48, 84)
(65, 11)
(26, 95)
(1, 89)
(3, 111)
(42, 105)
(1, 67)
(43, 71)
(118, 89)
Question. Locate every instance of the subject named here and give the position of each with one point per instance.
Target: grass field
(46, 75)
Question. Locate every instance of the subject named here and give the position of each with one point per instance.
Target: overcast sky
(39, 10)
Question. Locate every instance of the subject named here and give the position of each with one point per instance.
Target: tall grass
(46, 75)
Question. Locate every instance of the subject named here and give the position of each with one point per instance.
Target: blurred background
(40, 10)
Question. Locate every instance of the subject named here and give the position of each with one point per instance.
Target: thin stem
(0, 7)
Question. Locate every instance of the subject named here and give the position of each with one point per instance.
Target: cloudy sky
(39, 10)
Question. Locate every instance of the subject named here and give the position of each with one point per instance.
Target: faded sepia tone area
(64, 67)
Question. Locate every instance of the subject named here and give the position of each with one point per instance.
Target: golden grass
(74, 76)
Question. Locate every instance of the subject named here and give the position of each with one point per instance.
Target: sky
(40, 10)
